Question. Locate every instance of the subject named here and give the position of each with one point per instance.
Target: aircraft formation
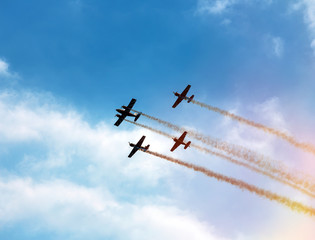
(126, 112)
(233, 153)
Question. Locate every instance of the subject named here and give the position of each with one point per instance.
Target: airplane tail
(147, 147)
(137, 116)
(187, 145)
(191, 98)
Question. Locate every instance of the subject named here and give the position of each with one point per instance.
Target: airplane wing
(182, 137)
(185, 90)
(177, 102)
(119, 121)
(139, 143)
(132, 102)
(177, 143)
(133, 151)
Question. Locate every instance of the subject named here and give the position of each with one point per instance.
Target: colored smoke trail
(165, 123)
(272, 166)
(293, 205)
(150, 128)
(275, 167)
(255, 169)
(225, 157)
(304, 146)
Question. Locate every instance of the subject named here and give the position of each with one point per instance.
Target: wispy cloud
(214, 7)
(221, 6)
(278, 47)
(4, 68)
(274, 46)
(308, 7)
(5, 72)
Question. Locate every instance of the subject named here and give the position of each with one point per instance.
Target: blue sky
(65, 66)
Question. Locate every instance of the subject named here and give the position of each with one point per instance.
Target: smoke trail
(151, 129)
(304, 146)
(225, 157)
(206, 150)
(293, 205)
(275, 167)
(167, 124)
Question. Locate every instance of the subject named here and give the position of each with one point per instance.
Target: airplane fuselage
(181, 96)
(178, 141)
(139, 148)
(126, 112)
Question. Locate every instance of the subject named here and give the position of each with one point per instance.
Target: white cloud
(93, 212)
(214, 7)
(4, 68)
(274, 46)
(221, 6)
(277, 46)
(308, 7)
(5, 72)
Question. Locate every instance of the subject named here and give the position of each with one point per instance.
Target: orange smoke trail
(293, 205)
(206, 150)
(275, 167)
(304, 146)
(225, 157)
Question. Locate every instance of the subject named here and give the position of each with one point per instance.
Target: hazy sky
(66, 65)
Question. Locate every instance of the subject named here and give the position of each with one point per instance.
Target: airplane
(182, 96)
(126, 112)
(138, 146)
(180, 141)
